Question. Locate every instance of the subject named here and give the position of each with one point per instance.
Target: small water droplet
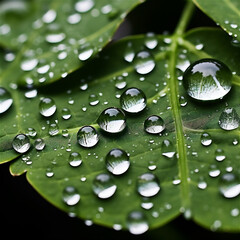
(21, 143)
(75, 159)
(112, 120)
(55, 37)
(74, 18)
(144, 62)
(66, 113)
(117, 161)
(49, 16)
(5, 100)
(87, 136)
(71, 196)
(47, 107)
(83, 6)
(31, 132)
(32, 93)
(182, 101)
(214, 171)
(229, 185)
(29, 64)
(39, 144)
(206, 139)
(202, 185)
(154, 124)
(219, 155)
(235, 212)
(104, 186)
(49, 172)
(151, 41)
(137, 223)
(93, 99)
(129, 54)
(168, 149)
(53, 129)
(229, 119)
(85, 52)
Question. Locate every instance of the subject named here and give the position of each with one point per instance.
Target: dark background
(24, 213)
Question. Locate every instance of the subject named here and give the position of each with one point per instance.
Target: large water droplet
(75, 159)
(104, 186)
(148, 185)
(168, 149)
(154, 124)
(83, 6)
(87, 136)
(207, 80)
(144, 62)
(47, 107)
(112, 120)
(137, 223)
(117, 161)
(71, 196)
(5, 100)
(229, 185)
(133, 100)
(21, 143)
(229, 119)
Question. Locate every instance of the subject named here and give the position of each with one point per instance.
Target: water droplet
(219, 155)
(5, 100)
(31, 132)
(207, 80)
(137, 223)
(39, 144)
(206, 139)
(32, 93)
(144, 62)
(49, 16)
(229, 185)
(75, 159)
(235, 212)
(53, 129)
(148, 185)
(202, 185)
(120, 82)
(29, 64)
(112, 120)
(66, 113)
(85, 53)
(151, 41)
(182, 101)
(229, 119)
(117, 161)
(47, 107)
(49, 172)
(87, 136)
(154, 124)
(133, 100)
(74, 18)
(214, 171)
(21, 143)
(56, 37)
(83, 6)
(168, 149)
(93, 99)
(71, 196)
(129, 54)
(104, 186)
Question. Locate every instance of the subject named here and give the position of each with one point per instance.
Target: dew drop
(137, 223)
(144, 62)
(29, 64)
(229, 119)
(55, 37)
(53, 129)
(5, 100)
(168, 149)
(49, 172)
(129, 54)
(154, 124)
(71, 196)
(85, 53)
(66, 113)
(74, 18)
(104, 186)
(49, 16)
(47, 107)
(93, 99)
(75, 159)
(83, 6)
(219, 155)
(151, 41)
(39, 144)
(87, 136)
(229, 185)
(21, 143)
(206, 139)
(207, 79)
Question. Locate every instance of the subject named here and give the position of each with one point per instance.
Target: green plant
(192, 164)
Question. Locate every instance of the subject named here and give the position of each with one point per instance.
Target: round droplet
(117, 161)
(151, 41)
(83, 6)
(229, 119)
(39, 144)
(71, 196)
(144, 62)
(154, 124)
(133, 100)
(206, 139)
(112, 120)
(21, 143)
(229, 185)
(168, 149)
(87, 136)
(137, 222)
(47, 107)
(66, 113)
(104, 186)
(75, 159)
(93, 100)
(207, 79)
(53, 129)
(219, 155)
(148, 185)
(49, 172)
(74, 18)
(5, 100)
(31, 132)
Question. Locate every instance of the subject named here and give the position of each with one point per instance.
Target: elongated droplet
(133, 100)
(117, 161)
(148, 185)
(39, 144)
(75, 159)
(206, 139)
(71, 196)
(87, 136)
(229, 185)
(144, 62)
(207, 79)
(21, 143)
(137, 223)
(104, 186)
(83, 6)
(112, 120)
(5, 100)
(85, 53)
(229, 119)
(168, 149)
(154, 124)
(53, 129)
(47, 107)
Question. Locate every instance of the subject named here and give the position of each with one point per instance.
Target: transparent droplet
(214, 171)
(151, 41)
(5, 100)
(117, 161)
(32, 93)
(47, 107)
(71, 196)
(93, 99)
(74, 18)
(229, 119)
(168, 149)
(202, 184)
(49, 172)
(219, 155)
(83, 6)
(75, 159)
(39, 144)
(85, 53)
(148, 185)
(29, 64)
(120, 83)
(129, 54)
(53, 129)
(229, 185)
(182, 101)
(207, 79)
(31, 132)
(104, 186)
(21, 143)
(112, 120)
(66, 113)
(133, 100)
(87, 136)
(137, 222)
(154, 124)
(49, 16)
(55, 37)
(144, 63)
(206, 139)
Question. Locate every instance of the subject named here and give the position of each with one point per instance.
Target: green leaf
(186, 186)
(224, 12)
(55, 33)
